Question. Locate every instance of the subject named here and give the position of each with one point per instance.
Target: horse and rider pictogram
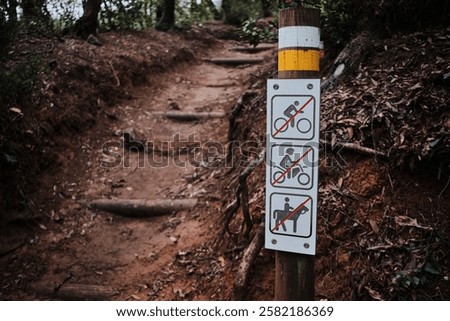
(291, 215)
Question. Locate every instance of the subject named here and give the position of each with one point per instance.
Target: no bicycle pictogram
(293, 117)
(291, 214)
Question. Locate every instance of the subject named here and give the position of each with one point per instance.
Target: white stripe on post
(299, 37)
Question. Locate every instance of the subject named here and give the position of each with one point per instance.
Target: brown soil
(160, 258)
(383, 231)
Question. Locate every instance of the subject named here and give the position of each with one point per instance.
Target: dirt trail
(142, 258)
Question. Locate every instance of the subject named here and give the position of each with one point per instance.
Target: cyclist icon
(290, 169)
(282, 124)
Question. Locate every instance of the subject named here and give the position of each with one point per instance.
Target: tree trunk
(33, 10)
(12, 10)
(212, 7)
(167, 20)
(88, 23)
(267, 8)
(226, 6)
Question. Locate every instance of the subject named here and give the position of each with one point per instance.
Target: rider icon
(287, 161)
(287, 206)
(291, 111)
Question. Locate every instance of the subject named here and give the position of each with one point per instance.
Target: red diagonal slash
(292, 166)
(291, 214)
(292, 117)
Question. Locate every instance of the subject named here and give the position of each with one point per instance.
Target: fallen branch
(236, 61)
(80, 292)
(382, 247)
(190, 116)
(410, 222)
(226, 84)
(131, 143)
(242, 274)
(114, 74)
(256, 49)
(354, 148)
(12, 248)
(143, 208)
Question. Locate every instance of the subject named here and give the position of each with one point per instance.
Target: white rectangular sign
(293, 112)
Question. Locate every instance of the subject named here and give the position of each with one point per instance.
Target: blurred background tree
(88, 22)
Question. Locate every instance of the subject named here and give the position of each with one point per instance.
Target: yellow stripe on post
(299, 60)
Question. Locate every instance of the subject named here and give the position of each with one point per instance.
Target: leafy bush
(132, 14)
(339, 19)
(65, 12)
(193, 13)
(255, 31)
(18, 83)
(236, 11)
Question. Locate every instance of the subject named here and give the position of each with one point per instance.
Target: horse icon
(281, 216)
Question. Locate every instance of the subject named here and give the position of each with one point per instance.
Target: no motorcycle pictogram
(292, 166)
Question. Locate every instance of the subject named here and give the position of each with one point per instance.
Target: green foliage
(131, 14)
(236, 11)
(410, 279)
(65, 12)
(255, 31)
(18, 83)
(114, 14)
(298, 3)
(424, 265)
(339, 19)
(193, 13)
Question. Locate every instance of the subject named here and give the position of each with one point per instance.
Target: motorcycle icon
(303, 178)
(290, 169)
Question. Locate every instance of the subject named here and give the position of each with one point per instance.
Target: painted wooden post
(298, 58)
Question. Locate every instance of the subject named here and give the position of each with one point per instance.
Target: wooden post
(298, 57)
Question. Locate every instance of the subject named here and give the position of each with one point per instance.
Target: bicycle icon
(303, 125)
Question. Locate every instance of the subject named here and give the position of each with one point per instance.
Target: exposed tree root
(355, 148)
(240, 287)
(241, 199)
(143, 208)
